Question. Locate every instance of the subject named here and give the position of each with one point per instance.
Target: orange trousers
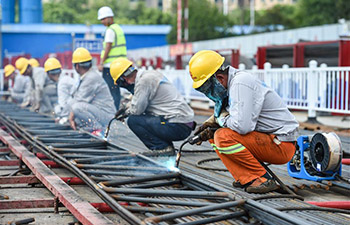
(241, 153)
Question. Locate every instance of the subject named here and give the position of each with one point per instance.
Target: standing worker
(114, 46)
(42, 87)
(19, 87)
(254, 123)
(91, 107)
(66, 86)
(158, 114)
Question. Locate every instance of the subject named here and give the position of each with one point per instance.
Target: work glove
(221, 120)
(207, 133)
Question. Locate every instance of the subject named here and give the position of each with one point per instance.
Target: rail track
(142, 191)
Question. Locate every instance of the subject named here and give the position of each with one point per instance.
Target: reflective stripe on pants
(241, 153)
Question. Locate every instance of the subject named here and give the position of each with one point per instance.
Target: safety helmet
(9, 69)
(104, 12)
(52, 64)
(118, 67)
(33, 62)
(81, 55)
(203, 65)
(22, 64)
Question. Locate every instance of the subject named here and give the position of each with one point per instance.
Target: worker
(254, 123)
(114, 46)
(66, 86)
(33, 62)
(42, 87)
(19, 86)
(91, 107)
(158, 114)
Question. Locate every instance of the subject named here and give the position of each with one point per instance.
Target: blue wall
(50, 38)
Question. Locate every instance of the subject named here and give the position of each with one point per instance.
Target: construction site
(108, 124)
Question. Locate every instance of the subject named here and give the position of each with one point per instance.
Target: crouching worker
(158, 114)
(92, 104)
(254, 124)
(43, 91)
(19, 87)
(66, 86)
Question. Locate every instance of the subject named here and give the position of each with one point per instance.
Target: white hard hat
(104, 12)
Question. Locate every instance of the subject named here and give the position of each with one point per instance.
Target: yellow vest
(118, 46)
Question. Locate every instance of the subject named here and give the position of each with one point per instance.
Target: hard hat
(81, 55)
(118, 67)
(9, 69)
(33, 62)
(52, 64)
(203, 65)
(22, 64)
(104, 12)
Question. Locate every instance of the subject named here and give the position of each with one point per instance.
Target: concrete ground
(325, 119)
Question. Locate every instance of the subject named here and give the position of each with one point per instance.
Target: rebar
(190, 212)
(141, 179)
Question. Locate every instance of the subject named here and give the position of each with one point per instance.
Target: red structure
(333, 53)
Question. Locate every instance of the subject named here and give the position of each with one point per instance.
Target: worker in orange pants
(241, 153)
(251, 123)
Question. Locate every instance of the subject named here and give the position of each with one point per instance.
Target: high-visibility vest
(118, 46)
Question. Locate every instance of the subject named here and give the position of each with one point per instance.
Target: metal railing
(310, 88)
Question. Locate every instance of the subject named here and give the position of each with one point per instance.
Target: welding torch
(120, 115)
(194, 140)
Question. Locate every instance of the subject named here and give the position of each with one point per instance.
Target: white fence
(312, 88)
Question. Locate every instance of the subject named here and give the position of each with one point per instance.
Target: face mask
(215, 91)
(130, 87)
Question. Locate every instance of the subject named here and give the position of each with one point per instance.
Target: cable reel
(318, 159)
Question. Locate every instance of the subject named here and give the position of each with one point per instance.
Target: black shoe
(238, 184)
(261, 186)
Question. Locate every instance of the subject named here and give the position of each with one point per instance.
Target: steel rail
(90, 152)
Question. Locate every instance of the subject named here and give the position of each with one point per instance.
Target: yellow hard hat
(22, 64)
(33, 62)
(52, 64)
(118, 67)
(9, 69)
(81, 55)
(203, 65)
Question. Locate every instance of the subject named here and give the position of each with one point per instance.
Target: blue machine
(318, 159)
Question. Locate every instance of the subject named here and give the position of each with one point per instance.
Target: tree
(205, 22)
(85, 11)
(278, 15)
(315, 12)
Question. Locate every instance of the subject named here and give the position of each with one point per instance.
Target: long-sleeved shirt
(38, 80)
(253, 106)
(21, 88)
(155, 95)
(94, 90)
(65, 89)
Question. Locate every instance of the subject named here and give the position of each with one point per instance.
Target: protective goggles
(54, 72)
(128, 72)
(206, 87)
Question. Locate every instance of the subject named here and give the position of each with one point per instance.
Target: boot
(262, 185)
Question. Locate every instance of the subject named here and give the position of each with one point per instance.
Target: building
(258, 4)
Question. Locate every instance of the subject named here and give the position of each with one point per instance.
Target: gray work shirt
(21, 87)
(38, 80)
(65, 89)
(253, 106)
(94, 90)
(156, 95)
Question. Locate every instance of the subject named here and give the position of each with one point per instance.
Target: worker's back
(94, 90)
